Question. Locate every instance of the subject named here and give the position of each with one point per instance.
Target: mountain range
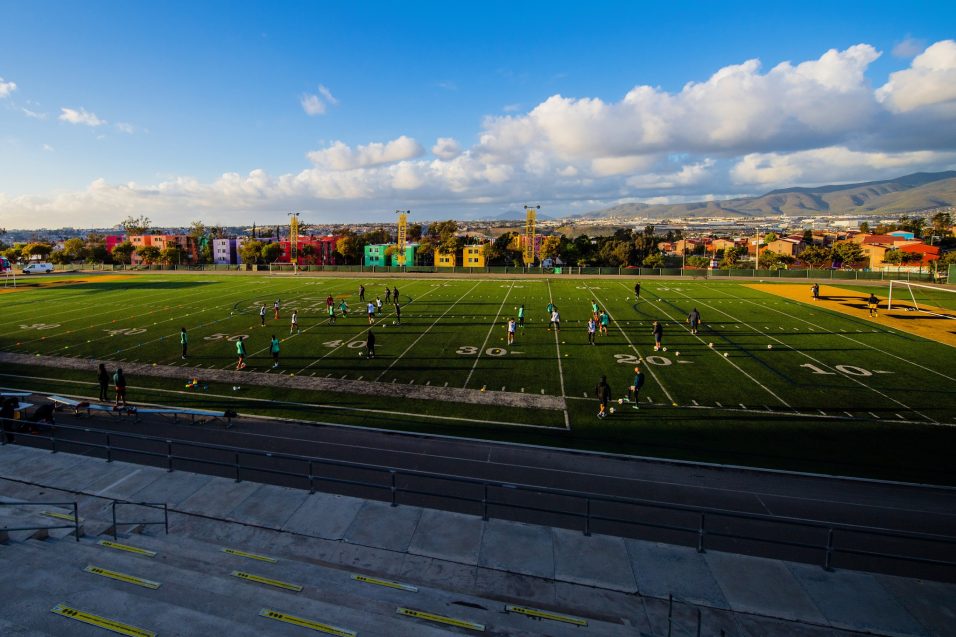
(919, 191)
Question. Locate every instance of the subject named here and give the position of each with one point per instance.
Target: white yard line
(808, 356)
(849, 338)
(346, 341)
(723, 358)
(649, 368)
(557, 345)
(422, 335)
(491, 329)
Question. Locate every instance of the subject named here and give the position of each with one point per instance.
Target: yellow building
(473, 256)
(445, 260)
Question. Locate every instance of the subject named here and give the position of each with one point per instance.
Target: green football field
(769, 381)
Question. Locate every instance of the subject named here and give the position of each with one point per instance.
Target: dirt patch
(365, 388)
(853, 303)
(30, 284)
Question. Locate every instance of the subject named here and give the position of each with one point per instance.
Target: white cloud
(340, 156)
(48, 148)
(33, 114)
(831, 165)
(742, 130)
(6, 88)
(318, 104)
(930, 81)
(124, 127)
(446, 148)
(81, 116)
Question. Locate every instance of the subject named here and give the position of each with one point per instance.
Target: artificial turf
(833, 393)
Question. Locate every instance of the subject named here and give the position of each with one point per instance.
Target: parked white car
(38, 268)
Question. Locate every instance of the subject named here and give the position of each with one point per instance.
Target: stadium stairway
(324, 548)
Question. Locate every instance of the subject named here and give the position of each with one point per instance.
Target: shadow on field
(112, 286)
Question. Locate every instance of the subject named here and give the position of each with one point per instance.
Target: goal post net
(922, 297)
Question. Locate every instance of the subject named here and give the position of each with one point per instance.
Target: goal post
(936, 300)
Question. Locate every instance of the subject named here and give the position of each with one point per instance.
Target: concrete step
(215, 595)
(13, 517)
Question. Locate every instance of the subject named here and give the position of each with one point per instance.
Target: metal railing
(150, 505)
(489, 494)
(75, 525)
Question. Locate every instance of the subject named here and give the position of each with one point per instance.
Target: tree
(170, 255)
(550, 247)
(731, 258)
(942, 222)
(350, 247)
(769, 237)
(490, 252)
(137, 225)
(655, 260)
(413, 232)
(698, 262)
(74, 249)
(307, 252)
(251, 251)
(36, 249)
(808, 237)
(816, 256)
(848, 253)
(865, 227)
(768, 260)
(271, 252)
(149, 254)
(123, 252)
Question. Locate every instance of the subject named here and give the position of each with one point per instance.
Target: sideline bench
(205, 415)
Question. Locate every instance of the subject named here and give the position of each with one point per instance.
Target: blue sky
(235, 111)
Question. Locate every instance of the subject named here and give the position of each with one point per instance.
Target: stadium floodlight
(930, 299)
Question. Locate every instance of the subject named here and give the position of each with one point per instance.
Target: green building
(375, 255)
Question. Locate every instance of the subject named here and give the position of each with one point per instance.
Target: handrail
(393, 488)
(150, 505)
(76, 517)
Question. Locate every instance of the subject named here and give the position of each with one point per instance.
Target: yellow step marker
(268, 581)
(101, 622)
(59, 516)
(251, 556)
(441, 619)
(385, 582)
(122, 577)
(306, 623)
(543, 614)
(126, 547)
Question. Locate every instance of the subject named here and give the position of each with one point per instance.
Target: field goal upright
(923, 297)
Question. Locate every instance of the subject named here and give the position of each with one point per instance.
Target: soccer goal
(923, 297)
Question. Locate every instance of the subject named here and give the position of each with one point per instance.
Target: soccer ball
(665, 349)
(612, 410)
(676, 353)
(726, 354)
(235, 388)
(769, 346)
(620, 401)
(710, 344)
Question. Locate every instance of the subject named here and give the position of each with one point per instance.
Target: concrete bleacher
(462, 567)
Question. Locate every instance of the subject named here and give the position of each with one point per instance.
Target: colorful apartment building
(224, 251)
(473, 256)
(375, 255)
(321, 250)
(445, 259)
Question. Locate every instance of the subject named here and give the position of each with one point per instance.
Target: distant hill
(912, 192)
(516, 216)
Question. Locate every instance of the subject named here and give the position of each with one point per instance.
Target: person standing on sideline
(603, 393)
(262, 315)
(274, 349)
(815, 291)
(521, 317)
(511, 331)
(634, 391)
(332, 314)
(370, 345)
(241, 352)
(119, 384)
(637, 290)
(388, 294)
(361, 292)
(184, 341)
(694, 319)
(873, 304)
(103, 377)
(395, 295)
(294, 329)
(604, 320)
(658, 333)
(275, 309)
(592, 328)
